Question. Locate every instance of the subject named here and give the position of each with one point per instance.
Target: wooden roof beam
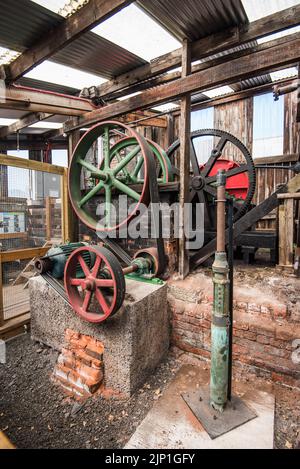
(204, 48)
(89, 16)
(26, 121)
(30, 100)
(251, 65)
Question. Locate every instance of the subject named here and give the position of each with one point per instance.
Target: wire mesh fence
(30, 217)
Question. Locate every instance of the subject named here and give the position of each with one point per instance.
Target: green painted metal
(59, 256)
(132, 176)
(220, 333)
(109, 177)
(153, 281)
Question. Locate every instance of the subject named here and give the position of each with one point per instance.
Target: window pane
(203, 119)
(268, 121)
(60, 158)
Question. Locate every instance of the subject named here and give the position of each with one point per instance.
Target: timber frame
(18, 322)
(151, 80)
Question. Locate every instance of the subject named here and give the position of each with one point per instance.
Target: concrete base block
(135, 339)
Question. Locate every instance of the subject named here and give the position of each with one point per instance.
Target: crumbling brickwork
(79, 368)
(264, 329)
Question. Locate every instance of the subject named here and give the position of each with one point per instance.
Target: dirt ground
(34, 413)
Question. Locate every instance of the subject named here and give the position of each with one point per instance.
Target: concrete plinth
(172, 425)
(135, 339)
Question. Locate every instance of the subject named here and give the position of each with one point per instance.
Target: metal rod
(230, 299)
(130, 269)
(221, 211)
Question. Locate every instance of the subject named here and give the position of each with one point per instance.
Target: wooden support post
(70, 220)
(184, 164)
(286, 233)
(3, 180)
(48, 217)
(1, 296)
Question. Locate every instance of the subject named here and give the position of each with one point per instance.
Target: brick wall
(264, 328)
(79, 367)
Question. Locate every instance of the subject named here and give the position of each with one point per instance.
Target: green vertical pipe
(220, 334)
(220, 316)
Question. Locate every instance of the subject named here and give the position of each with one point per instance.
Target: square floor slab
(171, 424)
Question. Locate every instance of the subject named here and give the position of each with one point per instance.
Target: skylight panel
(129, 96)
(165, 107)
(136, 32)
(62, 75)
(61, 7)
(5, 122)
(285, 73)
(256, 9)
(221, 91)
(7, 55)
(272, 37)
(46, 125)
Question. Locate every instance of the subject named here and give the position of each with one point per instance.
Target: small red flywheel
(100, 290)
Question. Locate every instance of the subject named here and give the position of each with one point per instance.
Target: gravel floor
(34, 413)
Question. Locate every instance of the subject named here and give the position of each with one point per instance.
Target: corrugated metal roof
(94, 54)
(47, 86)
(252, 83)
(23, 22)
(193, 19)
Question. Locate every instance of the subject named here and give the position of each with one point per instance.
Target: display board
(12, 222)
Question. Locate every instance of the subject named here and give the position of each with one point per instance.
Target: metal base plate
(215, 423)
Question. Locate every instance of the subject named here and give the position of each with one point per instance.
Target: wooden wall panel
(236, 118)
(291, 135)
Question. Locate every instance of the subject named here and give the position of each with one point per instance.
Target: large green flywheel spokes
(99, 174)
(134, 175)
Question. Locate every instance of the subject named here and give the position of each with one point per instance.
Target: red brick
(263, 339)
(285, 333)
(277, 352)
(253, 308)
(238, 349)
(263, 329)
(83, 370)
(241, 325)
(280, 311)
(266, 310)
(279, 343)
(249, 335)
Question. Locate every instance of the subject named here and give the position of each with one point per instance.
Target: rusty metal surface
(236, 413)
(23, 22)
(194, 19)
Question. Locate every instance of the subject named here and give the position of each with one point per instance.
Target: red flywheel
(99, 291)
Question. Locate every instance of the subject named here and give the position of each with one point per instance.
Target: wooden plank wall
(236, 118)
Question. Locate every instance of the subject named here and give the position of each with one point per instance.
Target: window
(268, 125)
(203, 119)
(18, 178)
(60, 158)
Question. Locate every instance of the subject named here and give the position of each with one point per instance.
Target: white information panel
(12, 222)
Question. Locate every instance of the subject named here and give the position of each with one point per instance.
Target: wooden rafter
(26, 99)
(251, 65)
(26, 121)
(89, 16)
(205, 47)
